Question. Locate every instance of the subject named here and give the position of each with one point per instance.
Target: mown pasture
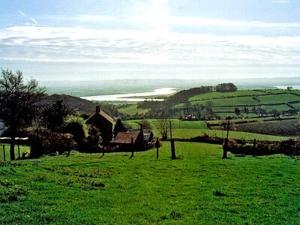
(132, 109)
(191, 129)
(198, 188)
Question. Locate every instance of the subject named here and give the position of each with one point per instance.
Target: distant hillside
(75, 103)
(80, 105)
(185, 95)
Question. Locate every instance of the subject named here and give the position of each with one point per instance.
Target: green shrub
(47, 142)
(76, 126)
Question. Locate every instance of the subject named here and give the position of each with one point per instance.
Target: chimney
(98, 109)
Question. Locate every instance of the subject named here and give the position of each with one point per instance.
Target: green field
(190, 133)
(191, 129)
(132, 109)
(176, 124)
(279, 98)
(296, 105)
(218, 95)
(23, 149)
(224, 104)
(198, 188)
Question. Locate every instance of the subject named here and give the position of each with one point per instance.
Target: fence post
(132, 148)
(254, 148)
(19, 151)
(3, 146)
(173, 153)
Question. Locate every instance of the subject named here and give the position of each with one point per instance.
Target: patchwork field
(191, 129)
(224, 104)
(131, 109)
(198, 188)
(285, 127)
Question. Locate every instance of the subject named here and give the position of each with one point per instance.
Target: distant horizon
(224, 80)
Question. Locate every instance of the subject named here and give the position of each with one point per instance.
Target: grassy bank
(198, 188)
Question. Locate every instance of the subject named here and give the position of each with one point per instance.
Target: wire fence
(20, 151)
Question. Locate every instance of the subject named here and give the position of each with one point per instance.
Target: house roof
(102, 114)
(126, 137)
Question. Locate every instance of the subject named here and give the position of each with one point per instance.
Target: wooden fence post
(19, 154)
(157, 145)
(3, 152)
(132, 149)
(173, 152)
(226, 142)
(254, 148)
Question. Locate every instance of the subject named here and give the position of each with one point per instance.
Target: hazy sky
(121, 39)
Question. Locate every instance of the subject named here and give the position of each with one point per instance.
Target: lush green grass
(23, 149)
(227, 102)
(132, 109)
(190, 133)
(278, 127)
(278, 107)
(282, 98)
(296, 105)
(199, 188)
(190, 129)
(224, 104)
(176, 124)
(213, 95)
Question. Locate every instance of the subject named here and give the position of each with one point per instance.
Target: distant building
(134, 139)
(189, 117)
(104, 123)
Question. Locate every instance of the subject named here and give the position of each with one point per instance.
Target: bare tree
(17, 102)
(163, 127)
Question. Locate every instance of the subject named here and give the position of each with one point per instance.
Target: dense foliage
(76, 126)
(47, 142)
(18, 102)
(53, 116)
(226, 87)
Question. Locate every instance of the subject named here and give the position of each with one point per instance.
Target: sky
(150, 39)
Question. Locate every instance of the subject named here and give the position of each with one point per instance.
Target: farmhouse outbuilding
(138, 139)
(104, 123)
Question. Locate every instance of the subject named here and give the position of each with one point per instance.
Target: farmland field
(285, 127)
(224, 104)
(273, 99)
(229, 102)
(191, 129)
(131, 109)
(199, 188)
(215, 95)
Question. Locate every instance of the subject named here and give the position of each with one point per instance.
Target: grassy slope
(282, 98)
(190, 129)
(240, 93)
(190, 133)
(143, 190)
(284, 127)
(226, 102)
(131, 109)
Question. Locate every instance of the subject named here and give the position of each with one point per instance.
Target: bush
(76, 126)
(226, 87)
(289, 147)
(46, 142)
(93, 142)
(52, 116)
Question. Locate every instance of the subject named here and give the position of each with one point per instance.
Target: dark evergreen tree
(53, 116)
(119, 127)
